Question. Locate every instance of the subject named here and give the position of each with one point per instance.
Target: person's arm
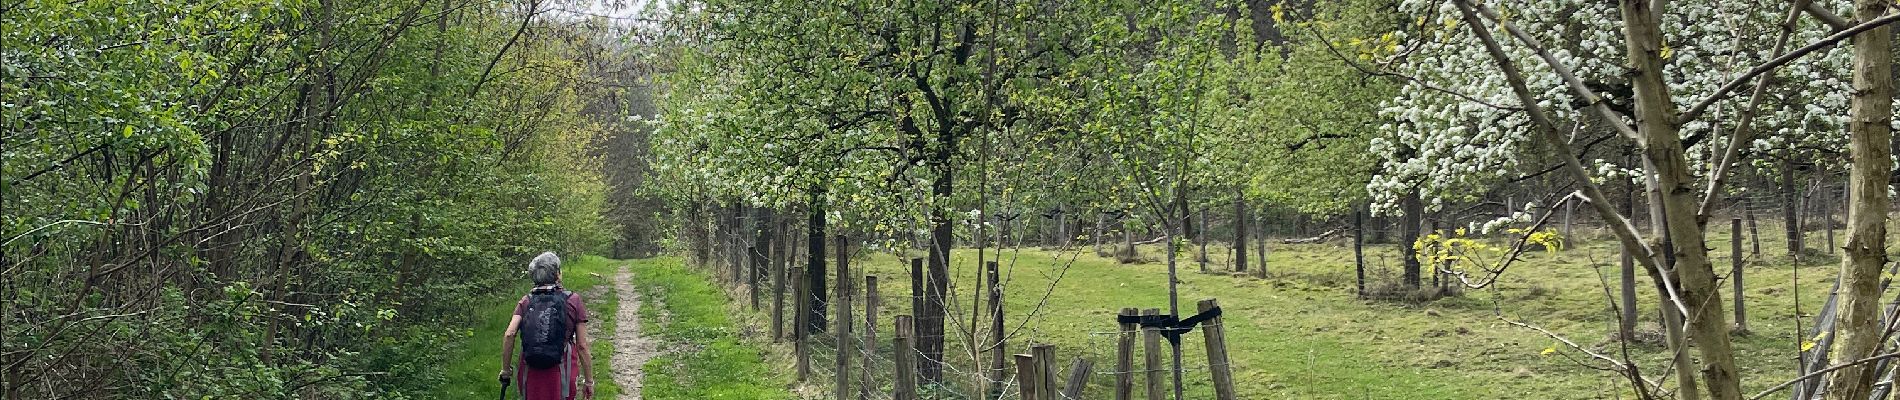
(587, 358)
(508, 347)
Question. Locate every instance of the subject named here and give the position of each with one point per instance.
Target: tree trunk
(1790, 217)
(1871, 148)
(1174, 293)
(1262, 248)
(1569, 207)
(1358, 251)
(815, 259)
(930, 327)
(1202, 238)
(1754, 233)
(766, 229)
(735, 252)
(1414, 210)
(1062, 229)
(702, 240)
(1655, 115)
(1626, 327)
(1828, 203)
(1128, 244)
(1240, 232)
(1097, 236)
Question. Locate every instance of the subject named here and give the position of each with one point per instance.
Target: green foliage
(258, 199)
(709, 361)
(1028, 106)
(1460, 252)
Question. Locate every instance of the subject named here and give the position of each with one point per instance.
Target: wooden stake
(999, 337)
(841, 378)
(1125, 358)
(1078, 378)
(1735, 256)
(866, 382)
(1151, 348)
(801, 329)
(904, 358)
(1026, 376)
(1217, 362)
(1045, 369)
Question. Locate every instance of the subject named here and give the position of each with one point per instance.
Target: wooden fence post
(753, 263)
(916, 307)
(1125, 358)
(1570, 206)
(1026, 376)
(1359, 253)
(1754, 233)
(801, 329)
(1735, 256)
(780, 248)
(999, 336)
(842, 333)
(1626, 327)
(1262, 248)
(1216, 339)
(1045, 369)
(1151, 348)
(904, 360)
(1240, 231)
(916, 286)
(1078, 378)
(867, 383)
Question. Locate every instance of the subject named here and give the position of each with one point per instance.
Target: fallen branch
(1316, 239)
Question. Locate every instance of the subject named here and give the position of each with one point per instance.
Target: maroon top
(554, 383)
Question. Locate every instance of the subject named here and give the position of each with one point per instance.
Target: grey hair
(545, 269)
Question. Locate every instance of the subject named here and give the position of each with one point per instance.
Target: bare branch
(1827, 17)
(1408, 78)
(1811, 375)
(1771, 65)
(1593, 193)
(1742, 134)
(1517, 250)
(1563, 71)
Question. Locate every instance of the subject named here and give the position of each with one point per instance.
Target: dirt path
(631, 350)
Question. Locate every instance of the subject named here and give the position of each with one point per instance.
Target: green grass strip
(707, 358)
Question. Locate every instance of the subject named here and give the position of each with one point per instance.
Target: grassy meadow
(1302, 332)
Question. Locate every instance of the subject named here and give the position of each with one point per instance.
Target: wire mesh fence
(871, 365)
(964, 363)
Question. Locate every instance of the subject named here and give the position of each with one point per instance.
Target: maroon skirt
(552, 383)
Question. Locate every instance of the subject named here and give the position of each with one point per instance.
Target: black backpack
(544, 329)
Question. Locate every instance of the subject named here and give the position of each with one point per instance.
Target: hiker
(555, 362)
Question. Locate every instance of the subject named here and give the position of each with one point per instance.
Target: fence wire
(961, 377)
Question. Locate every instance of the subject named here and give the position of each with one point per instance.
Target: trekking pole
(504, 389)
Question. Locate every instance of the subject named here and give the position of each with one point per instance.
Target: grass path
(707, 357)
